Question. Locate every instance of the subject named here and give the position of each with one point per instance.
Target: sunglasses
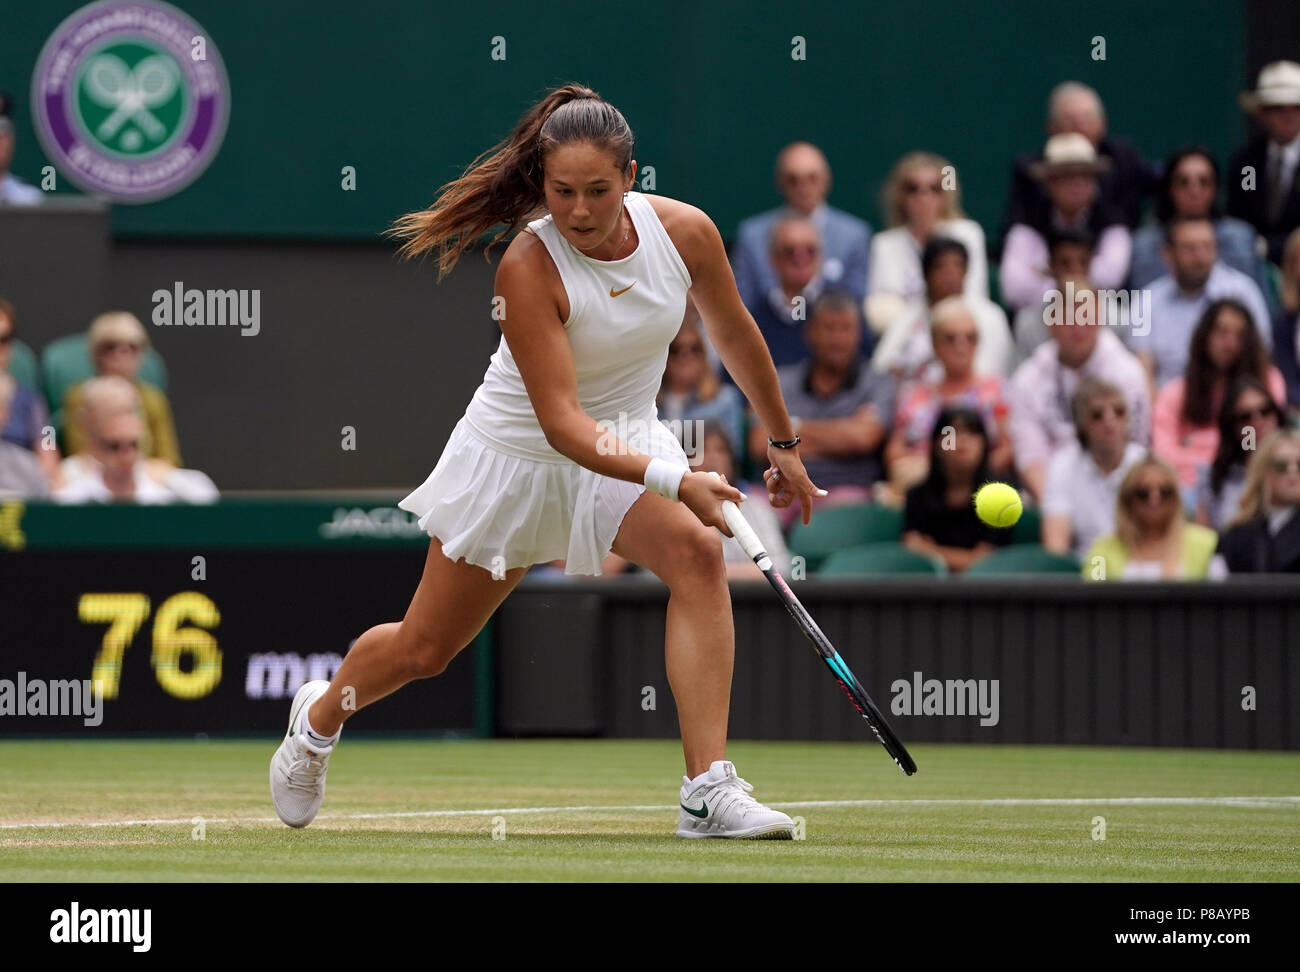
(1259, 411)
(119, 445)
(685, 349)
(1099, 413)
(1283, 466)
(912, 188)
(1145, 493)
(108, 347)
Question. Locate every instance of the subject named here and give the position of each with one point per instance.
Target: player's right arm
(534, 330)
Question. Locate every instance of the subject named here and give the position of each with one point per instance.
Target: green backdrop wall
(409, 93)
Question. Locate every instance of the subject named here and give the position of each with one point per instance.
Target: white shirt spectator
(1042, 389)
(15, 192)
(896, 260)
(1030, 331)
(906, 345)
(153, 486)
(20, 473)
(1174, 315)
(1077, 488)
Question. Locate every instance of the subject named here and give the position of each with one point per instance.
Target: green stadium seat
(1029, 528)
(840, 527)
(66, 361)
(23, 366)
(874, 559)
(1023, 558)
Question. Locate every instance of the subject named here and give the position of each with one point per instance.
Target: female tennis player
(560, 453)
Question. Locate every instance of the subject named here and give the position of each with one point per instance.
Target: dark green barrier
(408, 94)
(1204, 665)
(281, 523)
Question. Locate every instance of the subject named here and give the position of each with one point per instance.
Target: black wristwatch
(783, 445)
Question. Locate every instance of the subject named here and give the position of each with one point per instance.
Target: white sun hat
(1069, 151)
(1278, 84)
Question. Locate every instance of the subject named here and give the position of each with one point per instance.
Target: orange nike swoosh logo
(615, 293)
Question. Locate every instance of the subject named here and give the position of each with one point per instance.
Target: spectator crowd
(90, 422)
(107, 437)
(1125, 354)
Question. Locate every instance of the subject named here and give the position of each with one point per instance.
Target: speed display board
(193, 642)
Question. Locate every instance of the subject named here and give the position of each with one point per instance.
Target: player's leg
(699, 649)
(668, 539)
(450, 606)
(452, 603)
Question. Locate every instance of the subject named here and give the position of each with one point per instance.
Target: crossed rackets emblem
(131, 93)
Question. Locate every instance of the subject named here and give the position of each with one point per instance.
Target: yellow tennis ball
(998, 505)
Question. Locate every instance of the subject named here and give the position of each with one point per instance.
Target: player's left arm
(740, 344)
(729, 324)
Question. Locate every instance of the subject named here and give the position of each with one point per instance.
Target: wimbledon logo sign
(130, 99)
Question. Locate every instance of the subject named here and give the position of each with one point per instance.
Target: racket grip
(744, 533)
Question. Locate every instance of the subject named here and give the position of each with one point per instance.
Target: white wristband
(663, 477)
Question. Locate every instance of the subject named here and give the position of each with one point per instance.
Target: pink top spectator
(1024, 278)
(921, 403)
(1189, 448)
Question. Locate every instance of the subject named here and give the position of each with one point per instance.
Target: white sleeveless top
(620, 343)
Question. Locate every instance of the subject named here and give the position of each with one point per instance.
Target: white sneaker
(720, 806)
(298, 768)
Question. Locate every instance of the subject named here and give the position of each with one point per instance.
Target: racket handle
(744, 533)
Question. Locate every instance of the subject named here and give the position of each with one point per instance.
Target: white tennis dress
(500, 497)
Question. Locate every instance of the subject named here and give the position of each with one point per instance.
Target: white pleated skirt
(500, 511)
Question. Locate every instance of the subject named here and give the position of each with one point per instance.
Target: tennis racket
(753, 547)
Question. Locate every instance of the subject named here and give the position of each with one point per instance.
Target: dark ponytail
(504, 184)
